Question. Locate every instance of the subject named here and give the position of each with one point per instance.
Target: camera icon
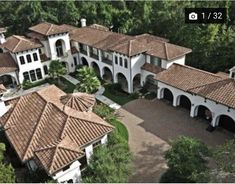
(192, 16)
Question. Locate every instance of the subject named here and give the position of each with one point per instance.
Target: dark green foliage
(224, 156)
(56, 69)
(27, 84)
(186, 160)
(7, 174)
(89, 82)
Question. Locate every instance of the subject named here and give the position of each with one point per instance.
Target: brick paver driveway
(151, 124)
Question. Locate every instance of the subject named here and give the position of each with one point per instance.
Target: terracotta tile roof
(48, 29)
(223, 75)
(17, 43)
(7, 63)
(166, 50)
(74, 50)
(79, 101)
(44, 57)
(2, 89)
(185, 77)
(149, 38)
(58, 155)
(152, 68)
(39, 120)
(99, 27)
(36, 35)
(222, 92)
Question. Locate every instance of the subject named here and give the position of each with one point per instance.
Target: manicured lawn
(118, 95)
(64, 85)
(121, 129)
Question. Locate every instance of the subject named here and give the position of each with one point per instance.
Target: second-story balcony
(82, 51)
(106, 61)
(93, 55)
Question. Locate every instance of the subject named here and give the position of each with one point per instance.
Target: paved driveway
(151, 124)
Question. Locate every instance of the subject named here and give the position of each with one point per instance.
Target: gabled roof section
(166, 50)
(185, 77)
(79, 101)
(18, 43)
(58, 155)
(149, 38)
(152, 68)
(222, 92)
(48, 29)
(7, 63)
(38, 120)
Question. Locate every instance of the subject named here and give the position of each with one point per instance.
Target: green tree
(186, 160)
(109, 165)
(7, 174)
(56, 69)
(89, 82)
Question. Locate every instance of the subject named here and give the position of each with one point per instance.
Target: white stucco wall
(73, 173)
(88, 152)
(196, 100)
(167, 64)
(28, 66)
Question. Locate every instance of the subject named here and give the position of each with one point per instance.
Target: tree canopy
(212, 44)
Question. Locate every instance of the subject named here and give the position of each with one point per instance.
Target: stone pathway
(71, 79)
(14, 93)
(99, 96)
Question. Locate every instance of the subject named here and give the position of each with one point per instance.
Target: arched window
(125, 63)
(59, 48)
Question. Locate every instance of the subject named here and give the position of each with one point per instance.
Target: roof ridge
(15, 36)
(36, 129)
(64, 128)
(165, 46)
(199, 70)
(17, 103)
(129, 48)
(51, 25)
(54, 157)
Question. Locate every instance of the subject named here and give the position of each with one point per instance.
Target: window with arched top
(59, 48)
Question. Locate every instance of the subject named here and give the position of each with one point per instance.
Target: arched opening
(137, 82)
(150, 83)
(84, 61)
(122, 81)
(1, 51)
(167, 95)
(96, 68)
(8, 81)
(184, 102)
(226, 122)
(203, 112)
(60, 47)
(107, 75)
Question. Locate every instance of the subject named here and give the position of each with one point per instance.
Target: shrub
(26, 84)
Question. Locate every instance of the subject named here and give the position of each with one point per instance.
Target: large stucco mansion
(132, 61)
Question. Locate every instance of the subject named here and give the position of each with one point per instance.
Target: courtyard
(151, 125)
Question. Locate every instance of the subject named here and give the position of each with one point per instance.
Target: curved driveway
(151, 125)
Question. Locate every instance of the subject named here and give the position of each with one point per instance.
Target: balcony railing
(83, 51)
(107, 61)
(95, 56)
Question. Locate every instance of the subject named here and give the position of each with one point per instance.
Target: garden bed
(116, 94)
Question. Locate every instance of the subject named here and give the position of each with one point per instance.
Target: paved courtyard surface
(151, 125)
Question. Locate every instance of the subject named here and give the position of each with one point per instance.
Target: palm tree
(56, 69)
(89, 82)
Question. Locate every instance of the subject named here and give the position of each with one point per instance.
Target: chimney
(83, 22)
(232, 73)
(2, 36)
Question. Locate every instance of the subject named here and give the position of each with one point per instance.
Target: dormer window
(233, 75)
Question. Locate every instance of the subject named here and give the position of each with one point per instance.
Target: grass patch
(120, 128)
(116, 94)
(64, 85)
